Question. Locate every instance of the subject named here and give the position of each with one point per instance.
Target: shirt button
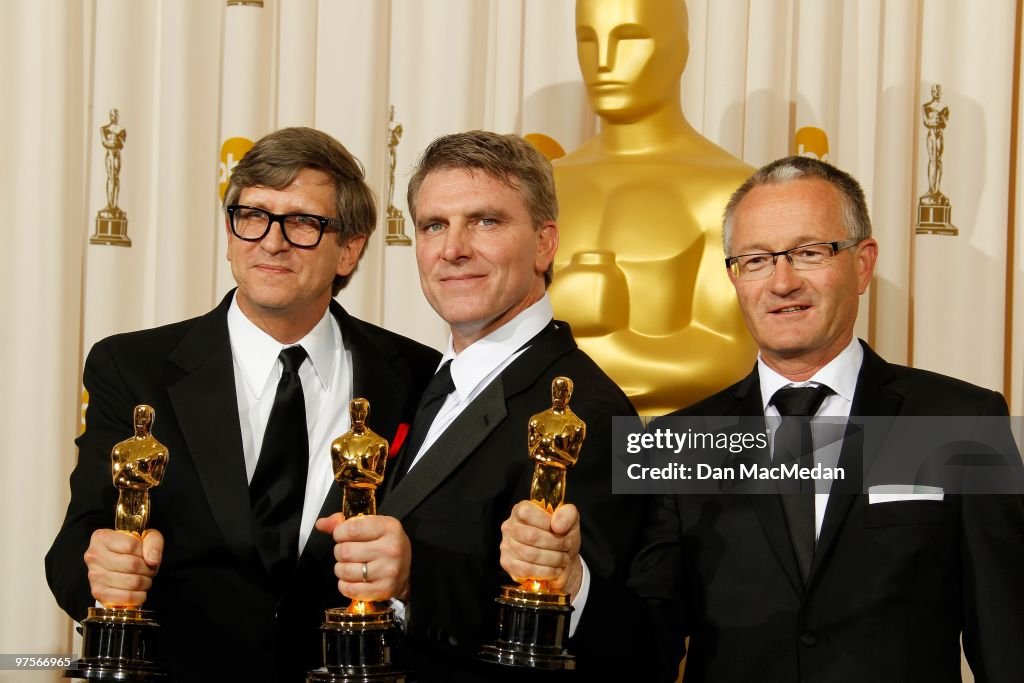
(808, 638)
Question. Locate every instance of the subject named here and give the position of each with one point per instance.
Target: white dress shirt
(473, 370)
(482, 361)
(839, 375)
(326, 378)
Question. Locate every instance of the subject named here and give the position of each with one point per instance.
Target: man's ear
(867, 255)
(547, 246)
(349, 257)
(227, 231)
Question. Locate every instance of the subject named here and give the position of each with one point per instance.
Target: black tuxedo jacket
(220, 616)
(453, 502)
(892, 586)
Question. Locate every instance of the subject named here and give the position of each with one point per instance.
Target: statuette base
(935, 219)
(395, 234)
(118, 645)
(533, 630)
(358, 648)
(110, 230)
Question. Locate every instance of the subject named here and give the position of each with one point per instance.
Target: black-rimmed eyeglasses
(303, 230)
(805, 257)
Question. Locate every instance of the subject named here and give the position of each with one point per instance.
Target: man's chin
(277, 305)
(266, 303)
(786, 349)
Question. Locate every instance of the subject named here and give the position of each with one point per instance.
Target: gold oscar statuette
(119, 640)
(639, 270)
(533, 618)
(395, 220)
(934, 212)
(112, 221)
(359, 640)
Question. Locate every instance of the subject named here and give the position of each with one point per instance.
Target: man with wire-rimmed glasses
(248, 399)
(830, 581)
(758, 265)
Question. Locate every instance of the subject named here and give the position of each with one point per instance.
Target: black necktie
(278, 485)
(437, 391)
(793, 445)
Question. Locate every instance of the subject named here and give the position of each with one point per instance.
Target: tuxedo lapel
(374, 379)
(207, 410)
(871, 398)
(457, 443)
(477, 421)
(373, 374)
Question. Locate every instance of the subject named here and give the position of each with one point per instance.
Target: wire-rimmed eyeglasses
(760, 265)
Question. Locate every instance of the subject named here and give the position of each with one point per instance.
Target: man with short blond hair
(485, 213)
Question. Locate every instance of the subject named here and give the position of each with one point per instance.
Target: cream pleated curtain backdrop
(196, 81)
(42, 189)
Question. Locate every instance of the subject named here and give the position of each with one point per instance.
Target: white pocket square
(891, 493)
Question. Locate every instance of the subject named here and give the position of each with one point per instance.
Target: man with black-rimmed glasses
(248, 399)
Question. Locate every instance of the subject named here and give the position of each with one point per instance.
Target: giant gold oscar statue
(359, 640)
(533, 618)
(639, 271)
(119, 640)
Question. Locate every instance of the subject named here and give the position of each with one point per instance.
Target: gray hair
(852, 206)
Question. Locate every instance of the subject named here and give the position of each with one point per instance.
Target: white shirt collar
(839, 375)
(478, 360)
(256, 352)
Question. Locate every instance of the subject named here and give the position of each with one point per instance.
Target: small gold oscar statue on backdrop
(934, 214)
(395, 222)
(359, 640)
(111, 221)
(533, 619)
(119, 641)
